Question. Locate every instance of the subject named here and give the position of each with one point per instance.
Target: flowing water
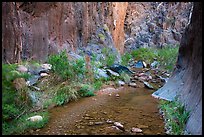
(132, 107)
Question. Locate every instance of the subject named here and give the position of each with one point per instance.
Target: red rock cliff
(37, 29)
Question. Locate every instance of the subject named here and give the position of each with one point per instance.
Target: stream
(131, 107)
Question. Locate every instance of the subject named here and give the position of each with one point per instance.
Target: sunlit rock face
(36, 30)
(155, 24)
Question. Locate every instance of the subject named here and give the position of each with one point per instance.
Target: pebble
(133, 84)
(136, 130)
(117, 95)
(99, 123)
(43, 74)
(90, 123)
(142, 126)
(119, 125)
(109, 121)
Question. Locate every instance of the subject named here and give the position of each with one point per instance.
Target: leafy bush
(20, 125)
(145, 54)
(109, 57)
(65, 94)
(61, 65)
(86, 90)
(175, 116)
(12, 103)
(167, 57)
(126, 58)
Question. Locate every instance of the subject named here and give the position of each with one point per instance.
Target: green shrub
(12, 103)
(109, 57)
(145, 54)
(126, 58)
(97, 84)
(65, 94)
(167, 57)
(60, 65)
(67, 69)
(18, 126)
(86, 90)
(175, 116)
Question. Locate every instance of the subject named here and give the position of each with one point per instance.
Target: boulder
(119, 69)
(22, 69)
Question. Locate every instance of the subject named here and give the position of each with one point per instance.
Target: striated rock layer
(37, 29)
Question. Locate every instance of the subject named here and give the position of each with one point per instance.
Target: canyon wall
(155, 24)
(34, 30)
(186, 81)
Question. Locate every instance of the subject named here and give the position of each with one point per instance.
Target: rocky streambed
(121, 110)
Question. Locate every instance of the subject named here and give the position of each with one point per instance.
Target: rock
(99, 123)
(121, 83)
(22, 69)
(109, 121)
(136, 130)
(112, 73)
(142, 126)
(132, 84)
(112, 130)
(100, 73)
(32, 80)
(117, 95)
(19, 83)
(35, 118)
(154, 64)
(148, 85)
(139, 64)
(46, 66)
(119, 69)
(43, 74)
(119, 125)
(38, 89)
(74, 56)
(90, 123)
(144, 64)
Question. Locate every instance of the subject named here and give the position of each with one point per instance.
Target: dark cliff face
(190, 62)
(186, 81)
(37, 29)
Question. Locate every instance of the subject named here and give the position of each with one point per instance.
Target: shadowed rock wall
(186, 82)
